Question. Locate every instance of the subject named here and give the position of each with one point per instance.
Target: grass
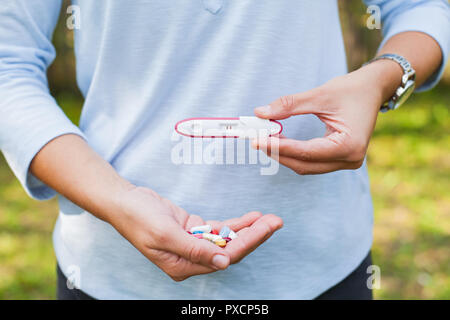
(409, 164)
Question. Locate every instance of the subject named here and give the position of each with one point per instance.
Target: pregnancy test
(241, 127)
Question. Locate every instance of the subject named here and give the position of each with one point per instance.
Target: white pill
(204, 228)
(232, 235)
(211, 237)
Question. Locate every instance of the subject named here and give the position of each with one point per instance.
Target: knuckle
(242, 248)
(256, 213)
(265, 231)
(195, 253)
(160, 236)
(174, 269)
(287, 102)
(301, 171)
(178, 278)
(275, 217)
(322, 95)
(148, 192)
(304, 155)
(357, 164)
(357, 151)
(360, 153)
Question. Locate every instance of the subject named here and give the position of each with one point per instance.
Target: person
(142, 66)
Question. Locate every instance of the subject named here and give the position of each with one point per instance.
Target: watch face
(404, 93)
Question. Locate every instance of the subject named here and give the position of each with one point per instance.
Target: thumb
(287, 106)
(198, 251)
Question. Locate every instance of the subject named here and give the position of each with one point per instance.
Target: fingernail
(264, 109)
(220, 261)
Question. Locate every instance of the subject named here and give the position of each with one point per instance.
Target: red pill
(227, 239)
(189, 232)
(215, 232)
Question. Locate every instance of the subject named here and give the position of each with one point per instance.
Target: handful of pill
(219, 238)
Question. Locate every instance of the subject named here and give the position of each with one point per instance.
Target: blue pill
(195, 232)
(224, 232)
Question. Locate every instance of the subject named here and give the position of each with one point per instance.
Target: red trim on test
(210, 118)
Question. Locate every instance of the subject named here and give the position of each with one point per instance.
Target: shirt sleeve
(428, 16)
(29, 116)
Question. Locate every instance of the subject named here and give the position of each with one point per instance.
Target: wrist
(385, 76)
(103, 195)
(114, 210)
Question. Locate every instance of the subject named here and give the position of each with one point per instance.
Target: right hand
(157, 228)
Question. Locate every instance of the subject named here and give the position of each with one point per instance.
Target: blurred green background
(409, 164)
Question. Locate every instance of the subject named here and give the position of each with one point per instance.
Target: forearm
(421, 50)
(348, 106)
(68, 165)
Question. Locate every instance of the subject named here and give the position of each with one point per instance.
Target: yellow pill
(221, 243)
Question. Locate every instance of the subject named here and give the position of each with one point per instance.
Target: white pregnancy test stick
(242, 127)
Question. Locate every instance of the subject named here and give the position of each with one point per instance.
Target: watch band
(408, 81)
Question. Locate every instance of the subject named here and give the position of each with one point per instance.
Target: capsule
(225, 231)
(204, 228)
(232, 235)
(220, 242)
(211, 237)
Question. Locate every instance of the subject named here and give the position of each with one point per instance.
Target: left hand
(157, 228)
(348, 105)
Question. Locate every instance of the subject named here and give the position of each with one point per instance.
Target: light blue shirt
(142, 66)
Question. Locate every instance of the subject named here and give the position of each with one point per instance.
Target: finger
(250, 238)
(246, 220)
(331, 147)
(180, 215)
(305, 167)
(194, 221)
(198, 251)
(178, 268)
(278, 135)
(237, 224)
(286, 106)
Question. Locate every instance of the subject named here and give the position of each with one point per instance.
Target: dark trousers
(353, 287)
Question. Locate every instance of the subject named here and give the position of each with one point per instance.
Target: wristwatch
(408, 82)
